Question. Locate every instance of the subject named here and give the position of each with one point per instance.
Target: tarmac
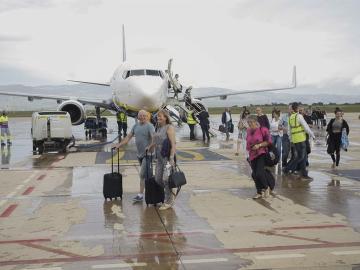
(53, 215)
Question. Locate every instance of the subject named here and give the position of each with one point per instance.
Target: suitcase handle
(112, 160)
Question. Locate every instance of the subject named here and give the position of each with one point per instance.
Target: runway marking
(118, 265)
(279, 256)
(293, 237)
(25, 241)
(8, 210)
(27, 180)
(312, 227)
(152, 234)
(184, 253)
(52, 250)
(202, 260)
(349, 252)
(19, 187)
(28, 191)
(10, 195)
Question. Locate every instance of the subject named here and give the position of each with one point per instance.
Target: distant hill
(306, 94)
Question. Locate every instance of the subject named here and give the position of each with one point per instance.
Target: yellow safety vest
(4, 119)
(121, 117)
(297, 131)
(190, 119)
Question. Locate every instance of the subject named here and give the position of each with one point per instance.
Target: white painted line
(49, 268)
(118, 265)
(349, 252)
(279, 256)
(19, 187)
(2, 202)
(10, 195)
(30, 177)
(203, 260)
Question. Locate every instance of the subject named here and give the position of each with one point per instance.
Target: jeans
(205, 131)
(285, 149)
(192, 131)
(299, 160)
(227, 128)
(277, 141)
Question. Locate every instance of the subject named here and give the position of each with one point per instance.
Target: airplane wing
(224, 96)
(107, 104)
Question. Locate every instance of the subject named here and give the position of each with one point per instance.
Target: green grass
(329, 108)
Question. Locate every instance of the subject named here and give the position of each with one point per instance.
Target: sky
(229, 44)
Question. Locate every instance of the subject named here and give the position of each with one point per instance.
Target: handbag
(177, 179)
(344, 140)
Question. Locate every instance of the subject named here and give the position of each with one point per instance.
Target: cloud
(15, 75)
(149, 50)
(10, 5)
(13, 38)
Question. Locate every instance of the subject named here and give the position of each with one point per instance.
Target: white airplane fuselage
(135, 88)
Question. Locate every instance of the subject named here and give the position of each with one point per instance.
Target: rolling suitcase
(154, 193)
(112, 186)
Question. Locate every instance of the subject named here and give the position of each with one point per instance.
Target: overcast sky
(232, 44)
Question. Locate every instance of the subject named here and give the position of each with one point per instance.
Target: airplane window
(137, 72)
(151, 72)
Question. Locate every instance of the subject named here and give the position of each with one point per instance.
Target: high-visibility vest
(4, 120)
(190, 119)
(121, 117)
(297, 130)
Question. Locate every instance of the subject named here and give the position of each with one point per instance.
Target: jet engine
(75, 109)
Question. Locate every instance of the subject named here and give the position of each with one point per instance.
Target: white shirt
(227, 117)
(274, 128)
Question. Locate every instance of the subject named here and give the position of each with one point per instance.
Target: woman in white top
(276, 130)
(242, 127)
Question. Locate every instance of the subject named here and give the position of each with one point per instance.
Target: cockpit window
(142, 72)
(151, 72)
(137, 72)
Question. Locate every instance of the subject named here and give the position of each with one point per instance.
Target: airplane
(136, 87)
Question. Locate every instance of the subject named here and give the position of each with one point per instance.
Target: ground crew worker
(5, 132)
(191, 122)
(121, 118)
(298, 129)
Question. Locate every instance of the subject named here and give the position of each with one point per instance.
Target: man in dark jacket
(204, 124)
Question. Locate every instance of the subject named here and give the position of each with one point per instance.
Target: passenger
(191, 121)
(334, 130)
(298, 129)
(226, 120)
(309, 121)
(276, 130)
(257, 140)
(285, 138)
(143, 132)
(242, 127)
(177, 86)
(121, 118)
(5, 131)
(262, 118)
(204, 124)
(164, 131)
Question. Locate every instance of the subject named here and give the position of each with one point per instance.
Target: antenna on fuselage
(123, 39)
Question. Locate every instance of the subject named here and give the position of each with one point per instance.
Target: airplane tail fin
(294, 82)
(123, 40)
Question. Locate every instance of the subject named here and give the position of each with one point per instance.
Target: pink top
(256, 136)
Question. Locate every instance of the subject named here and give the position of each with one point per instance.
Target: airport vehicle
(136, 87)
(51, 131)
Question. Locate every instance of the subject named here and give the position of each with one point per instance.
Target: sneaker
(273, 193)
(257, 196)
(165, 206)
(267, 192)
(138, 198)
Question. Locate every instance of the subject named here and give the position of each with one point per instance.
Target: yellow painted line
(195, 156)
(349, 252)
(115, 158)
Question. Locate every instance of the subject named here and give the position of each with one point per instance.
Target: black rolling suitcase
(112, 186)
(154, 193)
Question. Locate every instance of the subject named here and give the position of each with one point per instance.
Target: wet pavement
(53, 215)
